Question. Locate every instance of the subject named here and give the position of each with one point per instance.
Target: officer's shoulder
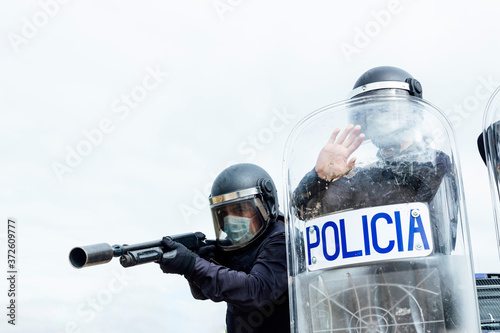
(277, 229)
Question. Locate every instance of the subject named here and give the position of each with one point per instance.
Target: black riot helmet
(244, 202)
(386, 122)
(386, 77)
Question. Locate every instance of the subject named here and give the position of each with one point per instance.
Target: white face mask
(237, 228)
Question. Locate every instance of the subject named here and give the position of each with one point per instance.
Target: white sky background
(233, 71)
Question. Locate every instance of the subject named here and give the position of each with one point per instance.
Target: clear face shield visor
(389, 125)
(239, 217)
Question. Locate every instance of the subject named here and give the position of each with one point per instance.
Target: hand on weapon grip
(177, 258)
(206, 252)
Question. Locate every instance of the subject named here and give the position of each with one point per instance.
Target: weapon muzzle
(91, 255)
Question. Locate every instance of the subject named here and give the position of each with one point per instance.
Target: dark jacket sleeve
(267, 280)
(309, 187)
(196, 291)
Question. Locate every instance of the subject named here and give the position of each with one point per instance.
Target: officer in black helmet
(247, 268)
(406, 169)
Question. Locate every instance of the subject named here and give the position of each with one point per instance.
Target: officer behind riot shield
(247, 266)
(373, 285)
(406, 170)
(488, 144)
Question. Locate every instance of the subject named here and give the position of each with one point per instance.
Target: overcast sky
(117, 116)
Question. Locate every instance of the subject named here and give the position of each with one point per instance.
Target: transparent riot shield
(384, 247)
(491, 143)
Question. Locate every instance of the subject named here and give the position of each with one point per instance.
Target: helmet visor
(238, 221)
(389, 124)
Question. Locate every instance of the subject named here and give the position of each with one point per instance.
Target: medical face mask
(237, 228)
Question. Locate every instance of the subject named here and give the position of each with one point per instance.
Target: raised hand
(333, 160)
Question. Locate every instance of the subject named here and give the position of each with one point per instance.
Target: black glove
(206, 252)
(178, 259)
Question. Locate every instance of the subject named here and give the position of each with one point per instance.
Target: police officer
(247, 268)
(405, 169)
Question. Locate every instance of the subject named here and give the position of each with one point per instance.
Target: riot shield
(491, 153)
(385, 246)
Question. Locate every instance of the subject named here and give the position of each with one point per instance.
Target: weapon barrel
(90, 255)
(130, 255)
